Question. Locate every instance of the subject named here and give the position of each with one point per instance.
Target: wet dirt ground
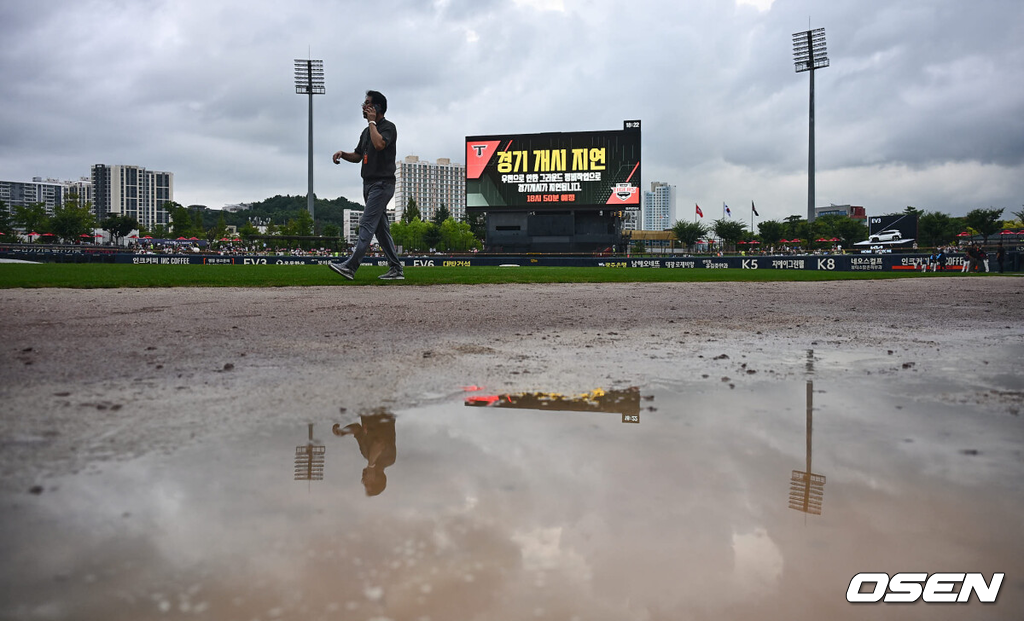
(659, 451)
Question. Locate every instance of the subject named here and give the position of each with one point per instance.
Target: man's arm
(375, 137)
(348, 157)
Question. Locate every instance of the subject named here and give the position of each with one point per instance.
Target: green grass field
(88, 276)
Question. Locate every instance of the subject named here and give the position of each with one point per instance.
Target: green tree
(412, 236)
(197, 229)
(118, 226)
(457, 236)
(181, 223)
(441, 215)
(771, 231)
(31, 218)
(477, 221)
(331, 230)
(301, 224)
(687, 233)
(798, 228)
(1019, 215)
(431, 236)
(72, 219)
(411, 211)
(220, 230)
(6, 223)
(984, 221)
(247, 231)
(937, 229)
(729, 231)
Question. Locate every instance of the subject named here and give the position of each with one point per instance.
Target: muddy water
(709, 499)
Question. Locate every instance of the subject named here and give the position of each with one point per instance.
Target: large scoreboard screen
(534, 172)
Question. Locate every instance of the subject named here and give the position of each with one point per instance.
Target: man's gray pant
(374, 221)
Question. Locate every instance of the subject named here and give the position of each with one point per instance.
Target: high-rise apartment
(23, 194)
(51, 193)
(132, 191)
(430, 185)
(659, 207)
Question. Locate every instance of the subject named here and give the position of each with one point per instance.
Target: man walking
(376, 152)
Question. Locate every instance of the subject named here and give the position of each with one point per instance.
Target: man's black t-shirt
(378, 165)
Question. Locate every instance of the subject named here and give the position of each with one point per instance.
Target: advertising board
(554, 171)
(892, 229)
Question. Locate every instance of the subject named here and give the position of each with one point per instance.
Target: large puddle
(696, 501)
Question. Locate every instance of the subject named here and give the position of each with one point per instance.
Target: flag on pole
(728, 211)
(754, 210)
(699, 212)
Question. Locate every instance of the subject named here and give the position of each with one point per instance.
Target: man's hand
(369, 113)
(344, 155)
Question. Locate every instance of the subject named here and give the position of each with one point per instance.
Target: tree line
(74, 221)
(933, 228)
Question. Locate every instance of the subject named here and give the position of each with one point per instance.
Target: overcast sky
(923, 103)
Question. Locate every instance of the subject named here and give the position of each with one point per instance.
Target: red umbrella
(964, 234)
(85, 235)
(47, 234)
(33, 233)
(183, 238)
(193, 239)
(835, 239)
(1008, 233)
(741, 242)
(821, 239)
(755, 242)
(133, 237)
(147, 237)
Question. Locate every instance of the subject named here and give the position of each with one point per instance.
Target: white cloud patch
(760, 5)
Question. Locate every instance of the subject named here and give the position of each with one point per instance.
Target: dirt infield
(93, 375)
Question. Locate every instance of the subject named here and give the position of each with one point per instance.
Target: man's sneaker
(342, 269)
(392, 274)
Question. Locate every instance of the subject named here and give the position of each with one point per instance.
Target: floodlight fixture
(810, 53)
(809, 50)
(309, 80)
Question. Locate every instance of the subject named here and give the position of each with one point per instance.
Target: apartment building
(431, 184)
(132, 191)
(659, 207)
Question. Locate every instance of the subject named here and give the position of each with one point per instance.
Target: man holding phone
(377, 153)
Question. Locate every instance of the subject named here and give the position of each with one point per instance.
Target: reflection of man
(375, 434)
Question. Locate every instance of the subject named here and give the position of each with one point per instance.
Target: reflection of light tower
(809, 53)
(806, 489)
(309, 460)
(309, 80)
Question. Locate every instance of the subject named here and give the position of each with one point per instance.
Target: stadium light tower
(309, 80)
(809, 53)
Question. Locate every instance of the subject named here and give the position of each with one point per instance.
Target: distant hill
(281, 209)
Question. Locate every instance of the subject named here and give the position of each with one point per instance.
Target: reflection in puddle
(375, 434)
(806, 489)
(625, 402)
(530, 514)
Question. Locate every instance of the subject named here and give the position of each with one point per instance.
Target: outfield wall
(837, 263)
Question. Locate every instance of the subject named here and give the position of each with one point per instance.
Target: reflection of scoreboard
(554, 171)
(625, 402)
